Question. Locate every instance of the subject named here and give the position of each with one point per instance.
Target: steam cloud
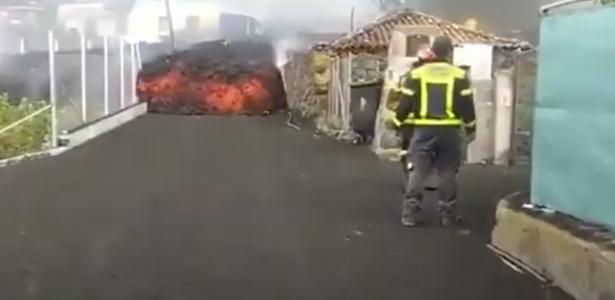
(521, 17)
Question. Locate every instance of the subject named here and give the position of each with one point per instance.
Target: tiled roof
(375, 36)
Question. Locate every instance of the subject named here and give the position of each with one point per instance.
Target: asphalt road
(182, 208)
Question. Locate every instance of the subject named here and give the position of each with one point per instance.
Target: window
(193, 23)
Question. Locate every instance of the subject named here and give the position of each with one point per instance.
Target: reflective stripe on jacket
(437, 94)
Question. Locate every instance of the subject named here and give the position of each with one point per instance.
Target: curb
(576, 256)
(83, 134)
(99, 127)
(30, 156)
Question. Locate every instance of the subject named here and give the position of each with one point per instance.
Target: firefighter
(406, 129)
(439, 97)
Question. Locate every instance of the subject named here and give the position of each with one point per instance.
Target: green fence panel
(573, 165)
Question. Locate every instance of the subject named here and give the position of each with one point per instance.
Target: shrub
(30, 136)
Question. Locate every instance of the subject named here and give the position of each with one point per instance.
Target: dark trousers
(406, 131)
(439, 148)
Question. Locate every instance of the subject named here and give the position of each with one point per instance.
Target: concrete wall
(481, 150)
(525, 101)
(515, 94)
(103, 125)
(576, 256)
(503, 125)
(144, 20)
(78, 16)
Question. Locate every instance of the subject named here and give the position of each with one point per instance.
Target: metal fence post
(22, 45)
(133, 67)
(106, 73)
(52, 91)
(122, 75)
(84, 105)
(139, 61)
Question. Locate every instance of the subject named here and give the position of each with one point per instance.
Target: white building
(148, 20)
(88, 17)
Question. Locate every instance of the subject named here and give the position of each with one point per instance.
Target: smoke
(121, 6)
(520, 15)
(281, 16)
(519, 18)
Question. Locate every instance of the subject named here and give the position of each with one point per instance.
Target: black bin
(364, 103)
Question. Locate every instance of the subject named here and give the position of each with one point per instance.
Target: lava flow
(213, 78)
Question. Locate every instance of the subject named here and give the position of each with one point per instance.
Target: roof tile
(375, 36)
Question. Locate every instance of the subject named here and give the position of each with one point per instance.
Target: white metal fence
(107, 69)
(88, 79)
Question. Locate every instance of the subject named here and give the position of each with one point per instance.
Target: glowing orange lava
(246, 93)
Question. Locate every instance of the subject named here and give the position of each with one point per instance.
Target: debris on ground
(290, 121)
(539, 208)
(345, 136)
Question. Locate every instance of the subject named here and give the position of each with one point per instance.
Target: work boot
(448, 214)
(410, 216)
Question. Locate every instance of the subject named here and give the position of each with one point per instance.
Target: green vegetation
(30, 136)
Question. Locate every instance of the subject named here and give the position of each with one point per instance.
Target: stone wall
(306, 88)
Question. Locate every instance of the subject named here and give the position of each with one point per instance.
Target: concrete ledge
(83, 134)
(30, 156)
(576, 256)
(102, 126)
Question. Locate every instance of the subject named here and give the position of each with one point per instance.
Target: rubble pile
(214, 78)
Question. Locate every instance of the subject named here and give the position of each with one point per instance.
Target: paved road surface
(175, 208)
